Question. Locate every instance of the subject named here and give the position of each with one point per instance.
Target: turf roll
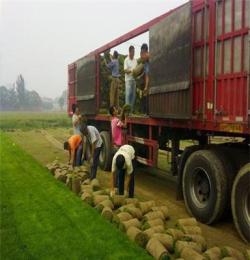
(134, 201)
(135, 212)
(192, 230)
(247, 254)
(228, 251)
(76, 185)
(120, 217)
(95, 184)
(107, 213)
(123, 208)
(163, 209)
(87, 197)
(146, 206)
(118, 200)
(198, 239)
(175, 233)
(157, 250)
(153, 215)
(213, 253)
(103, 204)
(189, 253)
(135, 234)
(134, 222)
(99, 192)
(99, 198)
(151, 231)
(86, 188)
(180, 245)
(187, 222)
(166, 240)
(69, 181)
(153, 223)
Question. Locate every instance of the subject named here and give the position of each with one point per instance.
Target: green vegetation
(31, 120)
(42, 219)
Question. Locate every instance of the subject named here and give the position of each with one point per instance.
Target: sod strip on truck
(42, 219)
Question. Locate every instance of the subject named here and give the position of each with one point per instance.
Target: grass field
(33, 120)
(42, 219)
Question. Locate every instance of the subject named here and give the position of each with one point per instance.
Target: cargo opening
(105, 77)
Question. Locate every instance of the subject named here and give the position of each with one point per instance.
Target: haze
(40, 38)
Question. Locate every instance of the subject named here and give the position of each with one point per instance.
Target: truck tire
(240, 202)
(205, 186)
(106, 152)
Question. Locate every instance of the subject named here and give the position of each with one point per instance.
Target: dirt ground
(154, 184)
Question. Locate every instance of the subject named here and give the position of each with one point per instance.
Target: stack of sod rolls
(144, 222)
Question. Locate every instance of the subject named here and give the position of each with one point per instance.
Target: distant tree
(33, 100)
(61, 102)
(47, 104)
(21, 91)
(4, 96)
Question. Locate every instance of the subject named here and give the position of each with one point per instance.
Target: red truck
(199, 88)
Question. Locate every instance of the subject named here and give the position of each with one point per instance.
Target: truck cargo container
(199, 88)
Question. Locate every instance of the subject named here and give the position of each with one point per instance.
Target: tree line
(19, 98)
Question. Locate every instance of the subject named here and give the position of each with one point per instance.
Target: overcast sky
(39, 38)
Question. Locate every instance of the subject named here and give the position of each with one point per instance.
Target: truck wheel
(106, 152)
(205, 186)
(240, 201)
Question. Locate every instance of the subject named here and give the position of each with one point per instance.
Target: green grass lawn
(42, 219)
(31, 120)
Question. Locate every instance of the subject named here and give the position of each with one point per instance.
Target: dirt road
(149, 185)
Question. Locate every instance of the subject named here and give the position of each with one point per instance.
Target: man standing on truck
(76, 119)
(74, 146)
(130, 64)
(95, 140)
(116, 128)
(123, 169)
(114, 91)
(145, 60)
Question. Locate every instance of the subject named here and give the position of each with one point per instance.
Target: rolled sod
(129, 223)
(138, 70)
(120, 217)
(118, 200)
(187, 222)
(99, 192)
(198, 239)
(157, 250)
(153, 223)
(123, 208)
(247, 254)
(107, 213)
(106, 203)
(99, 198)
(76, 185)
(135, 234)
(189, 253)
(151, 231)
(166, 240)
(180, 245)
(175, 233)
(194, 230)
(69, 181)
(146, 206)
(213, 253)
(95, 184)
(135, 212)
(86, 188)
(153, 215)
(163, 209)
(87, 197)
(134, 201)
(232, 252)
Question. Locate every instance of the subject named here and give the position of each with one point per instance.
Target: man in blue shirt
(113, 65)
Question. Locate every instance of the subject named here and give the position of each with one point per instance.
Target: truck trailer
(199, 89)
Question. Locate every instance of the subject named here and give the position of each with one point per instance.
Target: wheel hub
(200, 188)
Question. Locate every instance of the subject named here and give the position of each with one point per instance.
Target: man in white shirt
(94, 138)
(130, 85)
(76, 119)
(123, 170)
